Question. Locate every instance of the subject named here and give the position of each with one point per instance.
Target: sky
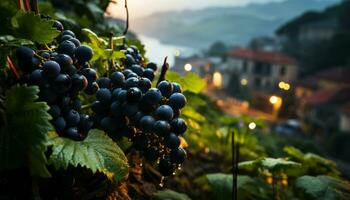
(139, 8)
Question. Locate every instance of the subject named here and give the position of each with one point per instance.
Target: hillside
(234, 25)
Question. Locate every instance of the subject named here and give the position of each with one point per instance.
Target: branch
(27, 5)
(35, 6)
(12, 67)
(127, 18)
(164, 69)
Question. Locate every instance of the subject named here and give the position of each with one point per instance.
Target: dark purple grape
(172, 141)
(126, 72)
(166, 88)
(149, 73)
(51, 69)
(73, 134)
(178, 156)
(85, 123)
(122, 95)
(152, 96)
(117, 79)
(83, 53)
(66, 47)
(58, 25)
(59, 124)
(62, 83)
(54, 111)
(90, 74)
(65, 37)
(177, 88)
(72, 118)
(146, 123)
(177, 101)
(164, 112)
(79, 82)
(134, 94)
(75, 41)
(178, 126)
(99, 107)
(45, 55)
(64, 61)
(104, 82)
(161, 128)
(116, 108)
(131, 82)
(104, 95)
(144, 84)
(129, 60)
(137, 69)
(68, 32)
(130, 109)
(152, 66)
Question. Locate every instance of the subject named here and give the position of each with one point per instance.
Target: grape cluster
(61, 75)
(127, 106)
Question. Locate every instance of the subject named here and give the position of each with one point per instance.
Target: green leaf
(191, 82)
(191, 113)
(170, 195)
(323, 188)
(97, 152)
(221, 184)
(272, 164)
(30, 26)
(25, 135)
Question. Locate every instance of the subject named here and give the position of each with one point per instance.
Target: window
(261, 68)
(283, 71)
(245, 66)
(257, 82)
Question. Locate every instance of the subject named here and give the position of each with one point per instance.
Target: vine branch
(35, 6)
(164, 69)
(127, 18)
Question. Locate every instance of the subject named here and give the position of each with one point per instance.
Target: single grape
(161, 128)
(104, 82)
(131, 82)
(90, 74)
(72, 133)
(65, 37)
(172, 141)
(152, 96)
(122, 95)
(149, 73)
(144, 84)
(72, 118)
(177, 88)
(51, 69)
(75, 41)
(177, 101)
(66, 47)
(152, 66)
(58, 25)
(54, 111)
(79, 82)
(137, 69)
(62, 83)
(64, 61)
(68, 32)
(83, 53)
(178, 126)
(178, 156)
(164, 112)
(166, 88)
(146, 123)
(99, 108)
(59, 124)
(134, 94)
(130, 109)
(117, 79)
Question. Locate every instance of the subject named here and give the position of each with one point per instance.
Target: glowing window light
(188, 67)
(244, 81)
(217, 79)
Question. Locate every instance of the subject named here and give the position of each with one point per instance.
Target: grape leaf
(323, 188)
(221, 184)
(170, 195)
(30, 26)
(191, 82)
(25, 133)
(97, 152)
(271, 164)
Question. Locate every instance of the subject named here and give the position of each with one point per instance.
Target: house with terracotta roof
(259, 70)
(324, 99)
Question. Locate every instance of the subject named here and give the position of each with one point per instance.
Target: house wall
(344, 124)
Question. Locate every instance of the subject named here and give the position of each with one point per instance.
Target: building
(318, 30)
(324, 99)
(257, 69)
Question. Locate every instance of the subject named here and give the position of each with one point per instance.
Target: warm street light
(273, 99)
(251, 125)
(217, 79)
(188, 67)
(283, 85)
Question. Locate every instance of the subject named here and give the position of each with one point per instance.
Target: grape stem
(164, 69)
(34, 4)
(21, 6)
(86, 106)
(12, 67)
(27, 5)
(127, 18)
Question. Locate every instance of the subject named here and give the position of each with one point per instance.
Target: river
(156, 51)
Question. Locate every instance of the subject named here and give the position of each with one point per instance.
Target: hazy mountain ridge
(233, 25)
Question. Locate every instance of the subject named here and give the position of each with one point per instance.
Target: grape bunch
(61, 75)
(127, 106)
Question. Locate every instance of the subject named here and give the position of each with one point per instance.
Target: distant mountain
(232, 25)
